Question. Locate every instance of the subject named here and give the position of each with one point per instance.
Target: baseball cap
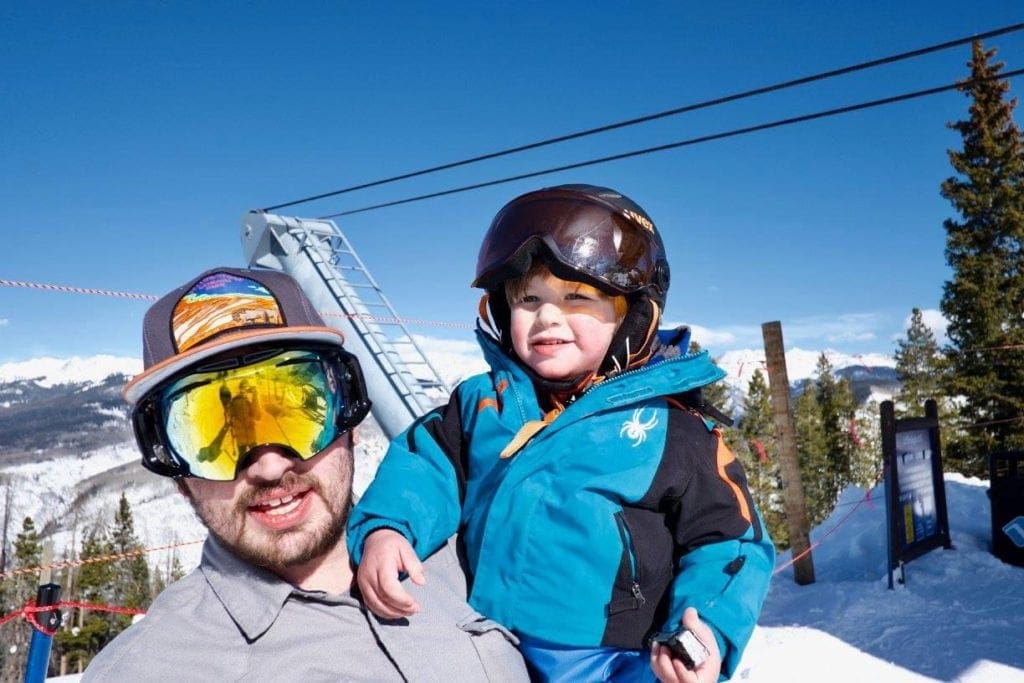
(220, 310)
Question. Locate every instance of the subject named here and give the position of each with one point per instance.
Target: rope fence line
(30, 609)
(846, 517)
(93, 560)
(77, 290)
(151, 297)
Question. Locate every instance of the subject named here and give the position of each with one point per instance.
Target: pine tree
(131, 573)
(28, 553)
(716, 394)
(758, 450)
(164, 577)
(867, 434)
(122, 579)
(88, 631)
(812, 452)
(918, 366)
(982, 301)
(838, 410)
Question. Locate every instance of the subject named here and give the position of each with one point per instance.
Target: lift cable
(670, 112)
(685, 143)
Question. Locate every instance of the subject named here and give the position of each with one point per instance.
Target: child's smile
(561, 329)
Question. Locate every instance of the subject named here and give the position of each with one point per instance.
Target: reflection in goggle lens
(213, 419)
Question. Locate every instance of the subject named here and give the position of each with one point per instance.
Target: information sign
(915, 492)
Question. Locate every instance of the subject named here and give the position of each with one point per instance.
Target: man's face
(281, 511)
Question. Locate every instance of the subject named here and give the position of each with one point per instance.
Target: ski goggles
(617, 251)
(205, 423)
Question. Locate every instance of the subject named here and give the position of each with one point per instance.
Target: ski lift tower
(402, 383)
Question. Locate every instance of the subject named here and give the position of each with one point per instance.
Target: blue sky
(135, 135)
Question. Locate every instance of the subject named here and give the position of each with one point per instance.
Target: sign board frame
(915, 491)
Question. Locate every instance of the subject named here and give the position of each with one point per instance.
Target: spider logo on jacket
(636, 428)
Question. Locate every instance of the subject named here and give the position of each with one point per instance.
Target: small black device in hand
(686, 646)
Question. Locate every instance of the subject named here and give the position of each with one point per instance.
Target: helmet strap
(632, 344)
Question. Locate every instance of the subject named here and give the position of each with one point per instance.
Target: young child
(600, 510)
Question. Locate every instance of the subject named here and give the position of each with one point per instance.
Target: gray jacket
(231, 621)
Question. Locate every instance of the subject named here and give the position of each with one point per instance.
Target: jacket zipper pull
(638, 596)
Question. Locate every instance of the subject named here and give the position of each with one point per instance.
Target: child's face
(561, 329)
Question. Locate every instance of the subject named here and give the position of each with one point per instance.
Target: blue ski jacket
(617, 515)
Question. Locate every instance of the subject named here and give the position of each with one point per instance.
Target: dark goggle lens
(587, 237)
(209, 420)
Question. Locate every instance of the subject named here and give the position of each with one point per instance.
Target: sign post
(915, 492)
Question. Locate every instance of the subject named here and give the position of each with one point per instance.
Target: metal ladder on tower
(319, 256)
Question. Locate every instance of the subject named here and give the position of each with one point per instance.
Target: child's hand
(669, 668)
(386, 553)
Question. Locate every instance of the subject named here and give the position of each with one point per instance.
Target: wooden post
(785, 427)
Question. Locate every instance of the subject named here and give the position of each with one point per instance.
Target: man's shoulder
(448, 566)
(180, 618)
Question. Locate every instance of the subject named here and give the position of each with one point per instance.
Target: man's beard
(291, 547)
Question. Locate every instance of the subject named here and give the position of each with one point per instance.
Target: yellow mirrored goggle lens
(213, 419)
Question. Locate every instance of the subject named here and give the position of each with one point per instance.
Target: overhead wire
(684, 143)
(662, 114)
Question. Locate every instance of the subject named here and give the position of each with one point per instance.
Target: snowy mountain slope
(872, 376)
(67, 450)
(48, 372)
(68, 453)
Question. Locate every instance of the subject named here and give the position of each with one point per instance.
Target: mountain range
(67, 452)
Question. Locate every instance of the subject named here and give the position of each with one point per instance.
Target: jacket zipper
(634, 568)
(622, 375)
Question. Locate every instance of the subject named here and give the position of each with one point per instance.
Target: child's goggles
(205, 423)
(613, 252)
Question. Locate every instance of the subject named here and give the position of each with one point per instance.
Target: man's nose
(269, 463)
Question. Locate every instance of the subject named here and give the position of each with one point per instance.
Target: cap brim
(152, 377)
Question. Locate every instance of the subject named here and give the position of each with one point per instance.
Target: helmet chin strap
(632, 344)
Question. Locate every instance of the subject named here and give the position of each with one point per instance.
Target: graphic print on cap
(222, 302)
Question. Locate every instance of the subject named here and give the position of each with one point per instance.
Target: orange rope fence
(151, 297)
(865, 499)
(30, 609)
(93, 560)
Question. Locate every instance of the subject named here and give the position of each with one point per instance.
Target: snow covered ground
(958, 617)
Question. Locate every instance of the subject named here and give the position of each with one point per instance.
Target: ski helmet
(584, 233)
(595, 234)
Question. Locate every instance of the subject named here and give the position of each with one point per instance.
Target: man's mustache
(290, 480)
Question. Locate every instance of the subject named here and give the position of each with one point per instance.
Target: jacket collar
(251, 595)
(673, 370)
